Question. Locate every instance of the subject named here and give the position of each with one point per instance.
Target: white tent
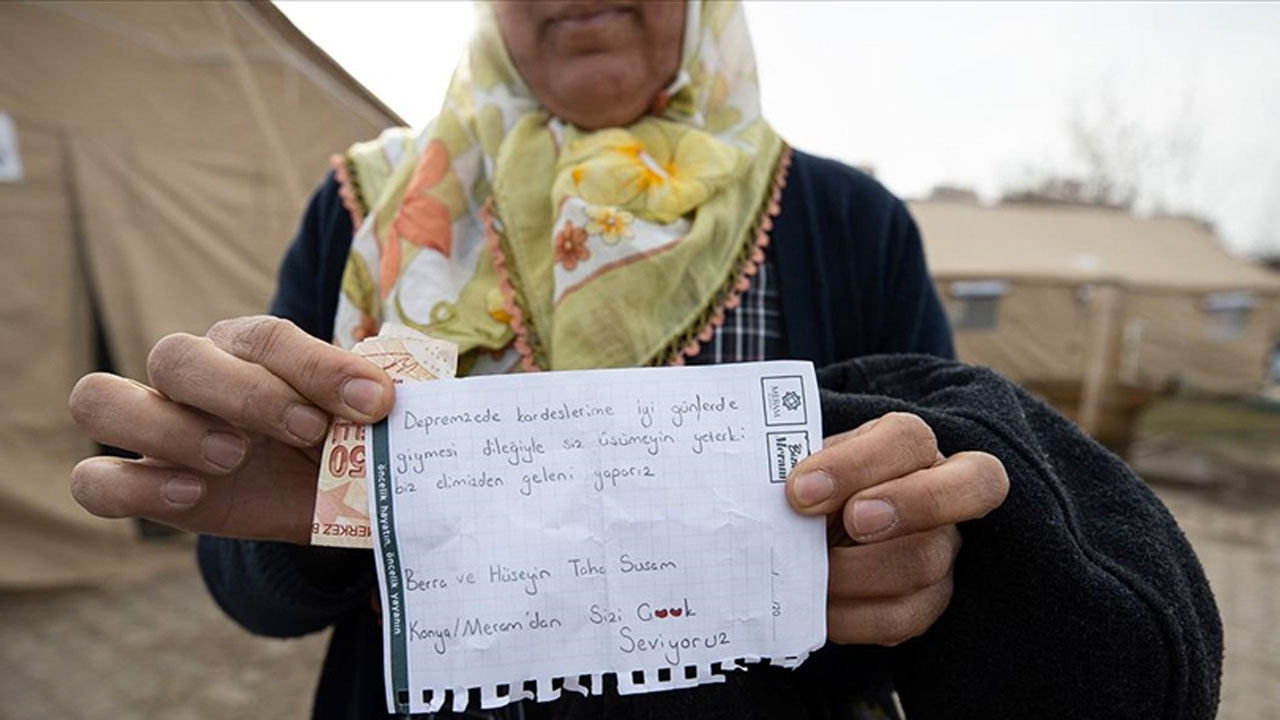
(158, 157)
(1095, 307)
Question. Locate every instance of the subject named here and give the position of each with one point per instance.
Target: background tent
(159, 158)
(1097, 309)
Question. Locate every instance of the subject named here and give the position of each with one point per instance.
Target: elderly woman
(600, 190)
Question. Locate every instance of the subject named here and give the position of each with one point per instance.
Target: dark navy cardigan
(853, 283)
(852, 277)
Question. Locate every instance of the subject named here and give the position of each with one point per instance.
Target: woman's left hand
(893, 502)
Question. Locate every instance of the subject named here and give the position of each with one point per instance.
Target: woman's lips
(590, 18)
(583, 28)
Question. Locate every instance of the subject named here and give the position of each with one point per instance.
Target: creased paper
(538, 533)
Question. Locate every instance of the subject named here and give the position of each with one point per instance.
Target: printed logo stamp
(786, 450)
(784, 401)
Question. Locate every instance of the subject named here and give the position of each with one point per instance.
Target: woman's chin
(603, 93)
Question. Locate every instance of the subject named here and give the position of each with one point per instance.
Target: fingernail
(872, 517)
(814, 487)
(306, 423)
(182, 490)
(223, 450)
(363, 396)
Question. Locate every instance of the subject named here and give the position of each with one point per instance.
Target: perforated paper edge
(630, 682)
(544, 689)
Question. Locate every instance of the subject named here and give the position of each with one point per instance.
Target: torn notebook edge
(548, 689)
(399, 692)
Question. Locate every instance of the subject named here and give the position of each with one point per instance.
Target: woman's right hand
(228, 430)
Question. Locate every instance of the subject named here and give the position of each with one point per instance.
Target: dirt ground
(161, 649)
(1238, 541)
(147, 650)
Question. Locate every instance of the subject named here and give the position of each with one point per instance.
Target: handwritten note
(535, 533)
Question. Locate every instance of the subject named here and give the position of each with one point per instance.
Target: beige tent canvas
(154, 159)
(1099, 309)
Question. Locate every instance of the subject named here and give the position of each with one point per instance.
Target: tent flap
(165, 153)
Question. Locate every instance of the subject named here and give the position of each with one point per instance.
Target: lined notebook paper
(562, 531)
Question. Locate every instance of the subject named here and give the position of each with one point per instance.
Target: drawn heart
(660, 613)
(676, 612)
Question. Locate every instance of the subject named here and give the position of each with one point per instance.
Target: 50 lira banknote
(341, 517)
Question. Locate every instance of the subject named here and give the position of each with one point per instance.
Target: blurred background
(1098, 187)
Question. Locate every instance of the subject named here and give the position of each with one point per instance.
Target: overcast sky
(980, 95)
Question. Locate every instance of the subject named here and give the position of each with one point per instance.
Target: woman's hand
(228, 429)
(893, 502)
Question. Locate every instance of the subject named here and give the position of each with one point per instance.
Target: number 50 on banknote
(341, 517)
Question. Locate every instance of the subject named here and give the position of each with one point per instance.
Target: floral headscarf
(530, 242)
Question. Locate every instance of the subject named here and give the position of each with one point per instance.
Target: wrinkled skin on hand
(893, 502)
(228, 429)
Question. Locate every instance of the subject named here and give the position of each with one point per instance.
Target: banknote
(341, 517)
(401, 358)
(437, 357)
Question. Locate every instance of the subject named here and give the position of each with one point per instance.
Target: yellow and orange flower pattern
(500, 226)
